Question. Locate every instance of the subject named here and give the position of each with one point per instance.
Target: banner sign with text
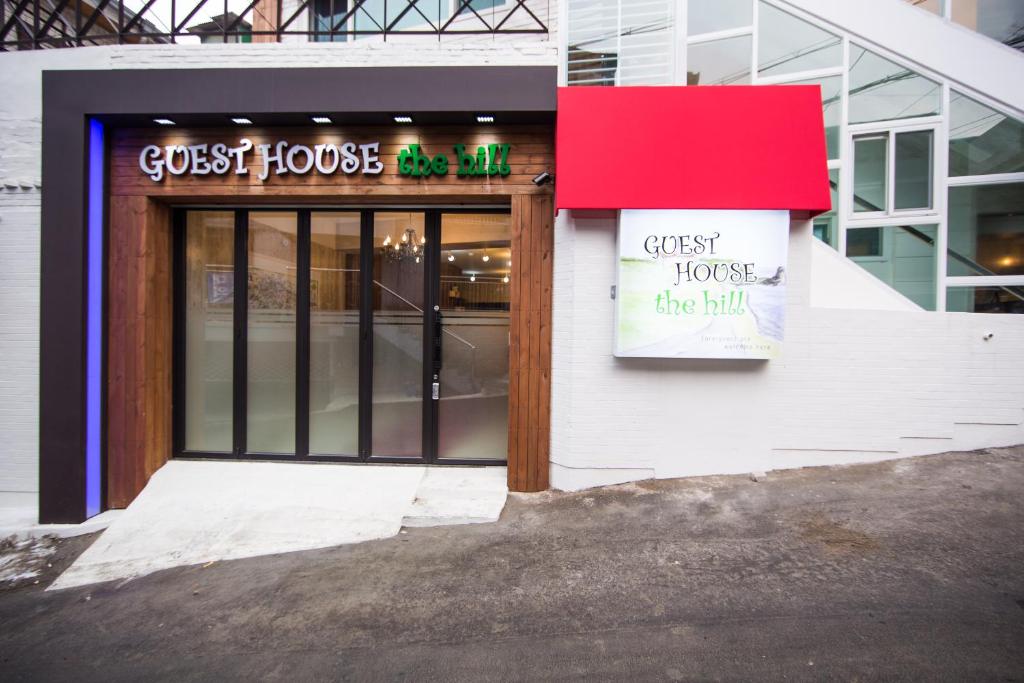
(701, 283)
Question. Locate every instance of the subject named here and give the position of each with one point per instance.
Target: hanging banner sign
(701, 283)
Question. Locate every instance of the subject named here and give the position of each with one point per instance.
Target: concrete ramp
(193, 512)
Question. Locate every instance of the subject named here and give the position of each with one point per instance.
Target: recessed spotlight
(164, 122)
(321, 119)
(451, 257)
(486, 258)
(403, 119)
(484, 118)
(241, 120)
(472, 278)
(505, 279)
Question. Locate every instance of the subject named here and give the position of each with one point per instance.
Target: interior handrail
(420, 310)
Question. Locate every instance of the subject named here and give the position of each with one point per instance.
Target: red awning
(694, 147)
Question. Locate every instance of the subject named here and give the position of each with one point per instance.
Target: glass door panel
(475, 272)
(209, 330)
(270, 394)
(398, 296)
(334, 293)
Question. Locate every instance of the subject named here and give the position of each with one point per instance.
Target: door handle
(438, 331)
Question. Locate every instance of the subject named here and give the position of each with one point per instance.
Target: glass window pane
(398, 273)
(334, 333)
(832, 108)
(903, 257)
(985, 299)
(708, 16)
(986, 230)
(826, 226)
(913, 173)
(786, 44)
(719, 62)
(883, 91)
(612, 42)
(209, 330)
(982, 140)
(1001, 20)
(270, 407)
(476, 278)
(870, 173)
(864, 242)
(645, 48)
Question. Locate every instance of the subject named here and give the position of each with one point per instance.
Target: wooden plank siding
(530, 343)
(139, 345)
(139, 276)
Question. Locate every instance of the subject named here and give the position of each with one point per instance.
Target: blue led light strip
(94, 324)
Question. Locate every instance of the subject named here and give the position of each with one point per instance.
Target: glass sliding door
(334, 300)
(357, 335)
(475, 281)
(398, 295)
(208, 334)
(272, 257)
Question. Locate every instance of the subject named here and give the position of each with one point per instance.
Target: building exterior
(351, 239)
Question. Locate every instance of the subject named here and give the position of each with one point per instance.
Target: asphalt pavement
(908, 569)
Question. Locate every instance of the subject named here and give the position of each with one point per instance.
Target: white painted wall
(852, 384)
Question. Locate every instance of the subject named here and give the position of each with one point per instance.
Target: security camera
(543, 179)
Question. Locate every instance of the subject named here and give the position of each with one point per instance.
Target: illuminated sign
(701, 284)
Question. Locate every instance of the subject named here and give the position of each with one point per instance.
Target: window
(864, 242)
(1001, 20)
(719, 62)
(986, 230)
(870, 170)
(789, 45)
(913, 170)
(982, 140)
(826, 226)
(893, 169)
(1008, 299)
(620, 42)
(326, 17)
(881, 90)
(711, 16)
(832, 108)
(901, 256)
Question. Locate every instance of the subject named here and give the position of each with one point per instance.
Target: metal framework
(39, 24)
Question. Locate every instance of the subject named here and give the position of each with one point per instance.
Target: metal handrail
(420, 310)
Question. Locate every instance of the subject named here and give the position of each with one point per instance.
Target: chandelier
(409, 247)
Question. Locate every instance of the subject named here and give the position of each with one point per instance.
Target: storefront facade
(365, 249)
(369, 292)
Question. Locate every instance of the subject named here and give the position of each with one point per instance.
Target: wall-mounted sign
(488, 160)
(282, 157)
(701, 284)
(278, 158)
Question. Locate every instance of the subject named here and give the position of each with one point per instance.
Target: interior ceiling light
(164, 122)
(484, 118)
(321, 119)
(451, 257)
(241, 120)
(403, 119)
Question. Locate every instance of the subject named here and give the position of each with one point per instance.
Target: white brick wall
(851, 385)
